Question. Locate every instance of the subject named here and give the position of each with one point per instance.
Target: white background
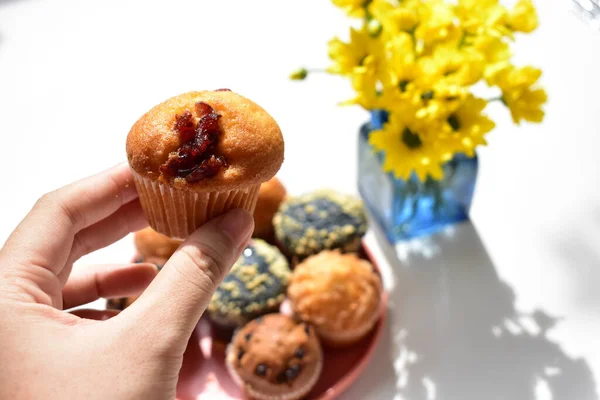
(506, 308)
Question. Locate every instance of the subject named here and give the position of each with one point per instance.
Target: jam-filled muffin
(321, 220)
(339, 294)
(275, 358)
(255, 286)
(151, 244)
(198, 155)
(270, 196)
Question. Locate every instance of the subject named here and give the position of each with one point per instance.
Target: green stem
(498, 98)
(316, 70)
(463, 39)
(452, 168)
(438, 198)
(413, 190)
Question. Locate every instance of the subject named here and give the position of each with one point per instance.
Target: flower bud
(299, 74)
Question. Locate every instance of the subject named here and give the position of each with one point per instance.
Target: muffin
(321, 220)
(151, 244)
(255, 286)
(270, 196)
(120, 303)
(275, 358)
(339, 294)
(124, 302)
(200, 154)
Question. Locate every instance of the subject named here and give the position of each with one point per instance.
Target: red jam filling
(196, 158)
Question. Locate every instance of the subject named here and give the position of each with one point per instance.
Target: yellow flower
(483, 17)
(466, 127)
(439, 102)
(364, 83)
(436, 22)
(400, 68)
(354, 8)
(452, 66)
(408, 147)
(348, 56)
(520, 93)
(523, 18)
(495, 52)
(395, 18)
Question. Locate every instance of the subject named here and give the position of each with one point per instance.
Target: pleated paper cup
(177, 213)
(284, 391)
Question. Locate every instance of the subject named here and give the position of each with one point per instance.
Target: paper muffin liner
(348, 337)
(177, 213)
(293, 395)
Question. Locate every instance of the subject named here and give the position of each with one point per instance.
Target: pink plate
(205, 376)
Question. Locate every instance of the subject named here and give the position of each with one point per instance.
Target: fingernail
(238, 224)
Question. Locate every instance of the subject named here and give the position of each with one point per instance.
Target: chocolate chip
(280, 378)
(292, 372)
(307, 329)
(241, 354)
(248, 337)
(261, 370)
(299, 353)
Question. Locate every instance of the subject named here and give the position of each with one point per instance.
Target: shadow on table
(3, 2)
(454, 333)
(575, 249)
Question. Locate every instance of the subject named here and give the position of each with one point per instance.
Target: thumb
(171, 306)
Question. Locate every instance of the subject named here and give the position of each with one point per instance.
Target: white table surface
(507, 307)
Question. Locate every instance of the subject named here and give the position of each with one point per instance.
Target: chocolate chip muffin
(275, 358)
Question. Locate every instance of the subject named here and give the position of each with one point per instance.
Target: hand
(47, 353)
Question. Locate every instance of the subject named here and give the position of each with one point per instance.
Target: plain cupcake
(151, 244)
(270, 197)
(339, 294)
(275, 358)
(256, 285)
(320, 220)
(200, 154)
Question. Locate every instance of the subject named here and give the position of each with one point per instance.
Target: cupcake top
(150, 243)
(275, 350)
(270, 197)
(204, 141)
(320, 220)
(256, 284)
(335, 291)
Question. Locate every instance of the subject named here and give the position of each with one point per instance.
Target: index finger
(45, 236)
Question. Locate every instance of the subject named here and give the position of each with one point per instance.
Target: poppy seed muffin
(321, 220)
(255, 286)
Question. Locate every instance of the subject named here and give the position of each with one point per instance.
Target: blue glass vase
(411, 208)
